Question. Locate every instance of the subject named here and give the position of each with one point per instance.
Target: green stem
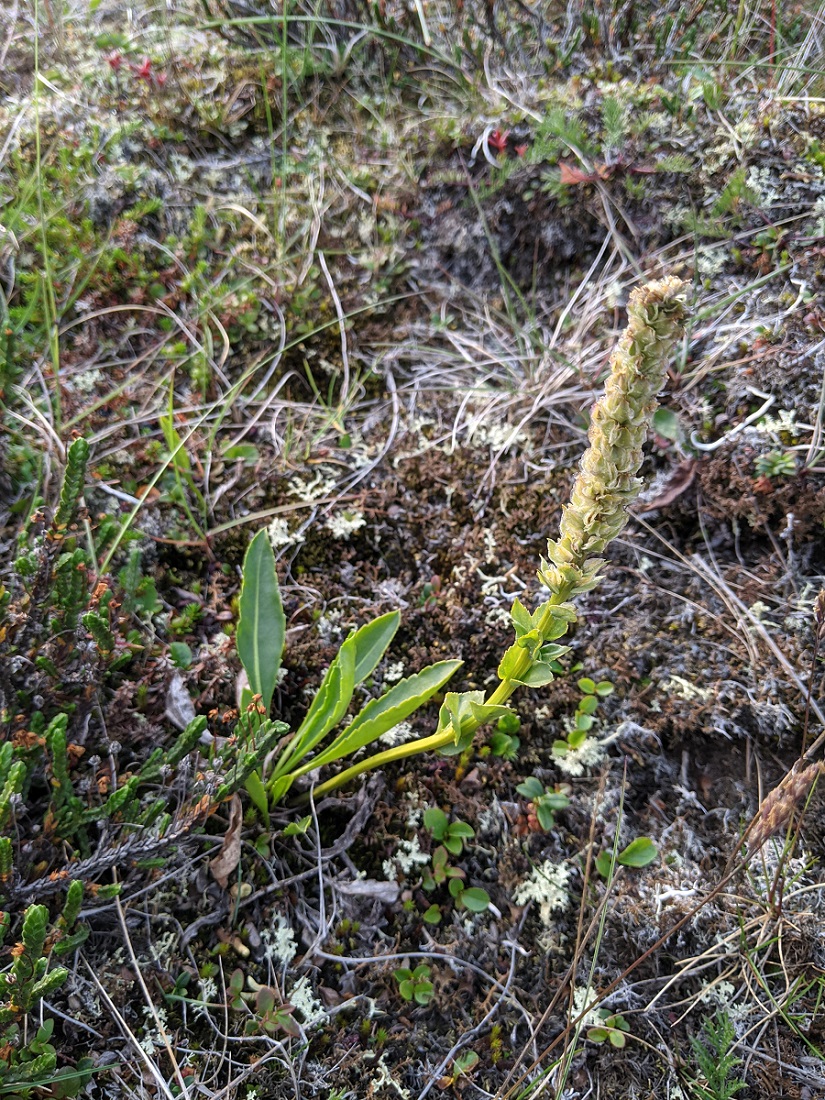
(445, 737)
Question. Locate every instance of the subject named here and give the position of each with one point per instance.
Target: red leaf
(144, 70)
(498, 140)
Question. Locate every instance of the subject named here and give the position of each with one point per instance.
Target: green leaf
(262, 624)
(537, 676)
(325, 712)
(298, 828)
(521, 618)
(597, 1034)
(486, 712)
(371, 642)
(509, 723)
(423, 992)
(436, 821)
(475, 899)
(639, 852)
(244, 452)
(604, 688)
(178, 452)
(463, 1063)
(586, 685)
(666, 424)
(279, 787)
(380, 715)
(180, 654)
(616, 1039)
(588, 705)
(257, 792)
(432, 915)
(604, 861)
(531, 788)
(461, 829)
(509, 662)
(464, 712)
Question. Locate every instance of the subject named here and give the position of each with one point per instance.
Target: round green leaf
(639, 852)
(475, 899)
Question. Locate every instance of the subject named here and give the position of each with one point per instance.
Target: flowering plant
(606, 486)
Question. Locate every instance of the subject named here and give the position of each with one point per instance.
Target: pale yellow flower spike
(607, 483)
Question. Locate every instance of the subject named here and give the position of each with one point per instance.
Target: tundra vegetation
(356, 738)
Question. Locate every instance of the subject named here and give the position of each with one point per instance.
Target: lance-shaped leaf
(371, 642)
(325, 711)
(380, 715)
(262, 624)
(355, 660)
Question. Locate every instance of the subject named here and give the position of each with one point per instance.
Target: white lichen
(576, 761)
(279, 941)
(280, 535)
(406, 858)
(343, 524)
(313, 1013)
(547, 886)
(385, 1079)
(398, 735)
(582, 997)
(393, 673)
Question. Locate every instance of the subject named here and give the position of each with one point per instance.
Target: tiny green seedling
(298, 828)
(638, 853)
(613, 1029)
(775, 464)
(545, 802)
(451, 834)
(472, 898)
(268, 1014)
(415, 985)
(463, 1065)
(503, 741)
(592, 694)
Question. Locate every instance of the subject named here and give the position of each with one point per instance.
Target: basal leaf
(325, 712)
(380, 715)
(180, 458)
(262, 624)
(371, 643)
(257, 792)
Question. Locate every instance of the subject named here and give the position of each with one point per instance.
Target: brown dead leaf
(227, 858)
(569, 174)
(681, 479)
